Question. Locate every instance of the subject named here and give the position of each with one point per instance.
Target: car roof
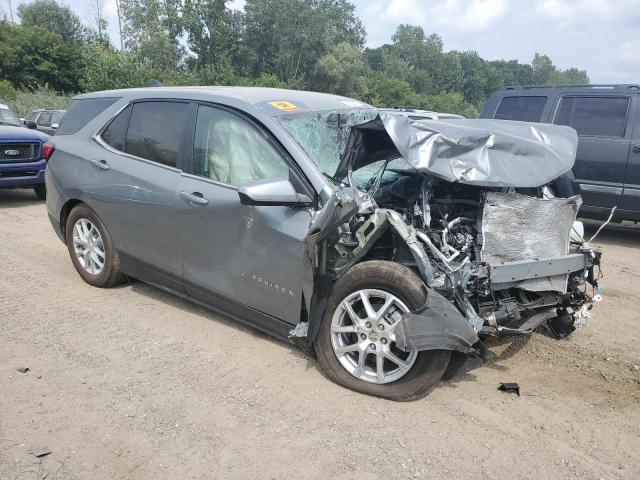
(600, 88)
(38, 110)
(286, 101)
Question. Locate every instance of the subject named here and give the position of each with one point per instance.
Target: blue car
(22, 153)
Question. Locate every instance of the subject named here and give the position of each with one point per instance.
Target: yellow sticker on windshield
(284, 106)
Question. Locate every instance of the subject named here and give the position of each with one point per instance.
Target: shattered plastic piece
(509, 387)
(438, 325)
(41, 452)
(23, 369)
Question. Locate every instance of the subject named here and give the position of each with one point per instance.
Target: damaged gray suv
(383, 243)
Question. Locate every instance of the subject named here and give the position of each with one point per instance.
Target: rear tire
(422, 371)
(40, 191)
(91, 249)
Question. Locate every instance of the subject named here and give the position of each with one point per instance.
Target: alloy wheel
(363, 336)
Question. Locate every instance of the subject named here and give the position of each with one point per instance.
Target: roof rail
(612, 86)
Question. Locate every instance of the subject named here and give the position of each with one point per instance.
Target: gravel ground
(135, 383)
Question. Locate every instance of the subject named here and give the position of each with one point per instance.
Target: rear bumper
(22, 174)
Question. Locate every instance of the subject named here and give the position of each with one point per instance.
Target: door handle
(101, 164)
(194, 197)
(636, 149)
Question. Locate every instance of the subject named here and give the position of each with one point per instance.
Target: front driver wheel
(356, 342)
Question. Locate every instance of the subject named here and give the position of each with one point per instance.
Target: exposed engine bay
(496, 259)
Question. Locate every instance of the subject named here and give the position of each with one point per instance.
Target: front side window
(230, 150)
(156, 131)
(523, 109)
(594, 116)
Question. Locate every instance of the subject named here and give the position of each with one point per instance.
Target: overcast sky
(601, 36)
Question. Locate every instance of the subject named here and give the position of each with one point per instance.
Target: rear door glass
(594, 116)
(157, 130)
(116, 132)
(524, 109)
(44, 120)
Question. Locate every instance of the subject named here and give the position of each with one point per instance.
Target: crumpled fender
(437, 325)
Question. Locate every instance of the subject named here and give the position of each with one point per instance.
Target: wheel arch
(64, 214)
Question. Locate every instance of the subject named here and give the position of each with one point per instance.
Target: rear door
(631, 194)
(236, 255)
(603, 123)
(133, 174)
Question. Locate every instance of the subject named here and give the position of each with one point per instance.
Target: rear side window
(156, 131)
(524, 109)
(594, 116)
(82, 112)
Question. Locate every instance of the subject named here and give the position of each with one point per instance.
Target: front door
(603, 123)
(631, 196)
(234, 254)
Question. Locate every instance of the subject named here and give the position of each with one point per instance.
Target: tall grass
(42, 97)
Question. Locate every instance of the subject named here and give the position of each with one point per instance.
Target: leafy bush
(7, 92)
(42, 97)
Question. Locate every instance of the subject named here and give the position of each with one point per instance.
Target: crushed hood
(493, 153)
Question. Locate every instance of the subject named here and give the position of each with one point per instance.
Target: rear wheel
(40, 191)
(91, 248)
(356, 343)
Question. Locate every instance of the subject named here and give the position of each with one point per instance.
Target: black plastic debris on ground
(23, 369)
(41, 452)
(509, 387)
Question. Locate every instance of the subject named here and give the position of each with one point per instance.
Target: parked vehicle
(325, 222)
(607, 168)
(45, 121)
(22, 162)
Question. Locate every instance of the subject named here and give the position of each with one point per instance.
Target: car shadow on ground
(187, 306)
(18, 197)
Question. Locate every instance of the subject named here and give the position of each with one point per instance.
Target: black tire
(40, 191)
(111, 273)
(402, 282)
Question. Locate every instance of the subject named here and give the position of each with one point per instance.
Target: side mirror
(272, 192)
(30, 124)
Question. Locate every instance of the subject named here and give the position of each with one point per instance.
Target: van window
(594, 116)
(156, 130)
(524, 109)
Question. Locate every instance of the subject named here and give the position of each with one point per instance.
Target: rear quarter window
(594, 116)
(522, 108)
(81, 112)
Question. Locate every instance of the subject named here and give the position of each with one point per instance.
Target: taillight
(47, 150)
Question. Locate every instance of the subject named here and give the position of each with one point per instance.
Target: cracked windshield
(323, 135)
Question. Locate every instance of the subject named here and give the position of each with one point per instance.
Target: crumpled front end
(496, 260)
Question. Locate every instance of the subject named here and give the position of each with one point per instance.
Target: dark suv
(607, 168)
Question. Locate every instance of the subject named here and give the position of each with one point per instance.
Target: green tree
(53, 17)
(32, 56)
(341, 71)
(287, 37)
(151, 30)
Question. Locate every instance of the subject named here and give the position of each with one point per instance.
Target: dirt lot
(135, 383)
